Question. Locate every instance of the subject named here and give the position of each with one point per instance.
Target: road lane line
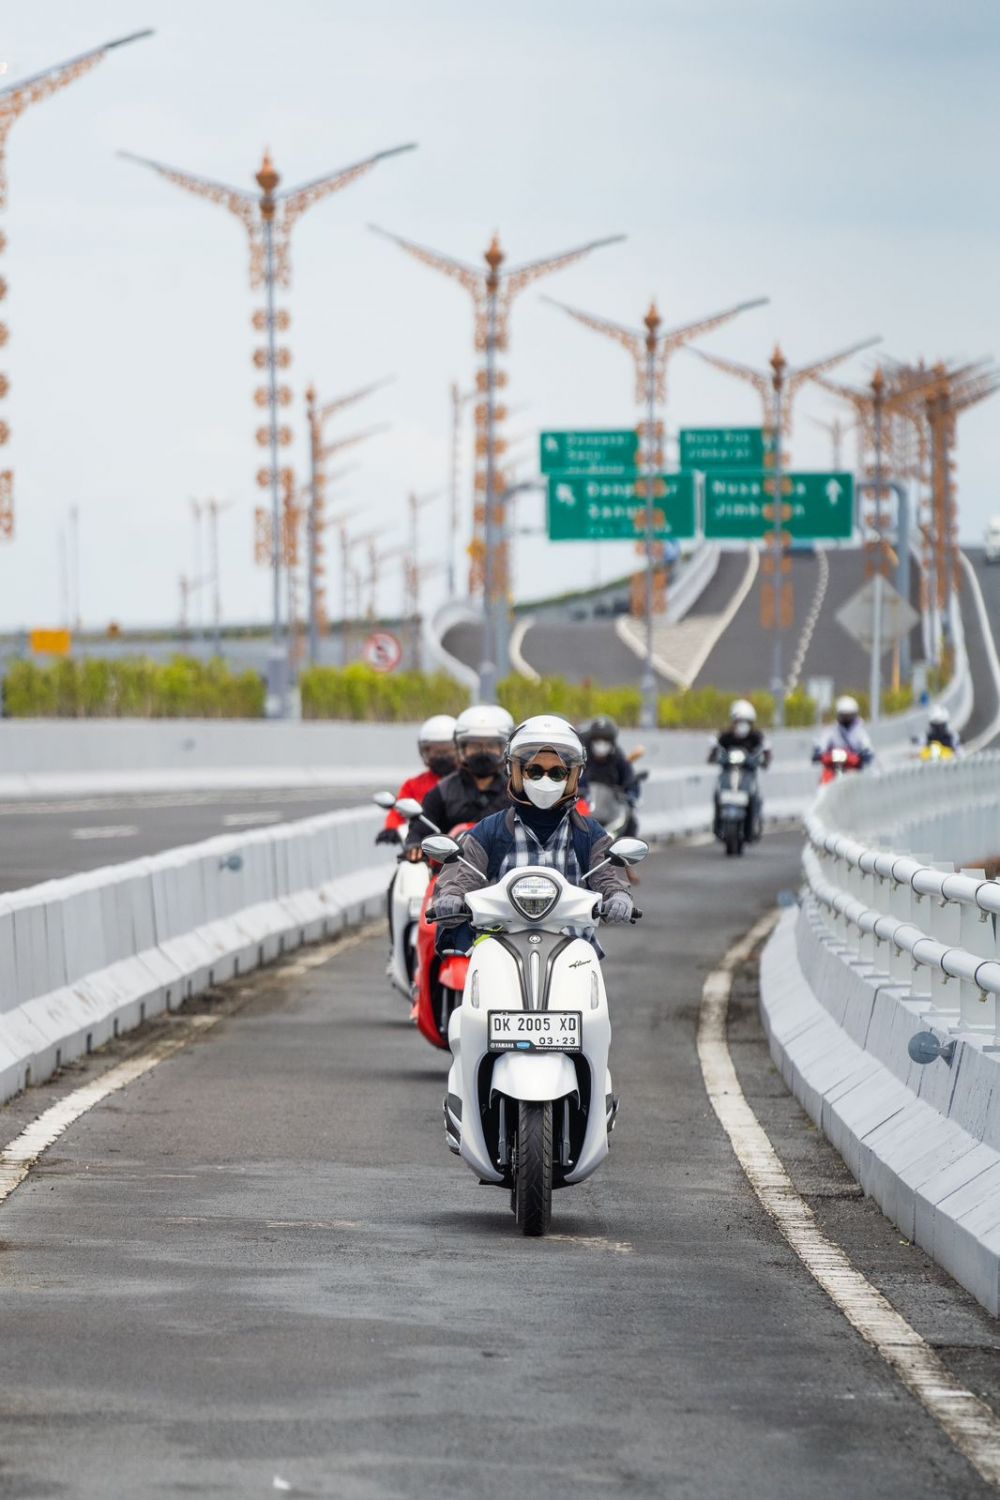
(970, 1424)
(515, 649)
(17, 1159)
(812, 620)
(981, 740)
(21, 1154)
(112, 831)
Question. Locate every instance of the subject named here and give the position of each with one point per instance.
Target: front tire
(533, 1174)
(734, 840)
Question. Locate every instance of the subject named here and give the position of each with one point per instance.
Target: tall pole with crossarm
(14, 100)
(493, 292)
(651, 348)
(269, 217)
(778, 387)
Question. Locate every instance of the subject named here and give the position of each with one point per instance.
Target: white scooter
(407, 890)
(529, 1104)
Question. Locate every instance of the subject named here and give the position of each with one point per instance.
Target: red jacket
(417, 787)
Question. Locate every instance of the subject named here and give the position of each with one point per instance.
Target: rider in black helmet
(608, 765)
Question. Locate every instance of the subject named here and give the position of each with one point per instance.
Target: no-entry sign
(382, 651)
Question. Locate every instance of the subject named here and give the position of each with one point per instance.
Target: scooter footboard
(536, 1078)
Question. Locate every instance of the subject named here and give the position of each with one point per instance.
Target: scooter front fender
(535, 1077)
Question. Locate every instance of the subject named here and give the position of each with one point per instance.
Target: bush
(574, 701)
(800, 710)
(707, 708)
(359, 692)
(92, 688)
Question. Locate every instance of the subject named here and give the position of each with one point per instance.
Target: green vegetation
(131, 688)
(359, 692)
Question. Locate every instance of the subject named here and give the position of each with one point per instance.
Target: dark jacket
(614, 770)
(457, 799)
(488, 844)
(753, 743)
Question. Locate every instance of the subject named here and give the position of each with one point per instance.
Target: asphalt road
(985, 706)
(44, 840)
(258, 1268)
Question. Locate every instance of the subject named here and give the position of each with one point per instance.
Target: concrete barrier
(84, 958)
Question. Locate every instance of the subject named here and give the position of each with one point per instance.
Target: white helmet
(483, 721)
(743, 709)
(439, 729)
(846, 707)
(546, 732)
(940, 715)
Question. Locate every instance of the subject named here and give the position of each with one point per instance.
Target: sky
(838, 159)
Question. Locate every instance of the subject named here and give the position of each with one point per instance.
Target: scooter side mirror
(384, 799)
(628, 851)
(441, 848)
(408, 807)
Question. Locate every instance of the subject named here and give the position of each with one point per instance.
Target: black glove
(388, 836)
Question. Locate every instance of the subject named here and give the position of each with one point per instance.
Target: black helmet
(602, 728)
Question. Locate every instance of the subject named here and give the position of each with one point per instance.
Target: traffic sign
(583, 452)
(606, 508)
(739, 506)
(51, 642)
(382, 651)
(726, 447)
(857, 616)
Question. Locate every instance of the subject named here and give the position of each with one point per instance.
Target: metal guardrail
(930, 928)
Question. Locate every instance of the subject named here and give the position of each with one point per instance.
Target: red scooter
(440, 978)
(836, 762)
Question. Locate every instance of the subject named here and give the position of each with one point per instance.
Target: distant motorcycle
(440, 977)
(936, 752)
(407, 891)
(836, 762)
(737, 818)
(610, 806)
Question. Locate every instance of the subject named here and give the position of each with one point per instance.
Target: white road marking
(980, 741)
(812, 620)
(112, 831)
(17, 1159)
(248, 819)
(970, 1424)
(515, 649)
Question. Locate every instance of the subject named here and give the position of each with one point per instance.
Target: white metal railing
(929, 927)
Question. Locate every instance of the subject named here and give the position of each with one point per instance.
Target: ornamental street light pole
(14, 100)
(269, 218)
(651, 349)
(492, 292)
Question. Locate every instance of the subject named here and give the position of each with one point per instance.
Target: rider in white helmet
(940, 732)
(542, 826)
(436, 743)
(478, 785)
(742, 733)
(847, 732)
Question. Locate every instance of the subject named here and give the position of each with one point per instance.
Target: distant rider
(742, 733)
(541, 827)
(479, 784)
(436, 744)
(940, 732)
(608, 765)
(847, 732)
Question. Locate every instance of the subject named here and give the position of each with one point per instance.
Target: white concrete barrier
(888, 944)
(86, 957)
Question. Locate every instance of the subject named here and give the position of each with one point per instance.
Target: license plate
(735, 799)
(535, 1031)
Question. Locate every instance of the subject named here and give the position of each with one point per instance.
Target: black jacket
(753, 744)
(614, 770)
(457, 799)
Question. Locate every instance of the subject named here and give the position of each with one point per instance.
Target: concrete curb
(922, 1141)
(84, 958)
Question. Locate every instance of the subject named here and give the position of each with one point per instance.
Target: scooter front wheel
(533, 1171)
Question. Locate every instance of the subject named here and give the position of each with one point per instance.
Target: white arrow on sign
(565, 495)
(551, 444)
(833, 491)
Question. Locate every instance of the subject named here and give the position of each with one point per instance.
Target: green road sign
(606, 508)
(583, 452)
(822, 506)
(726, 448)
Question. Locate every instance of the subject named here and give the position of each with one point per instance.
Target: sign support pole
(649, 703)
(778, 366)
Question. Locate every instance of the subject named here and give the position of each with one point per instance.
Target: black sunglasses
(555, 773)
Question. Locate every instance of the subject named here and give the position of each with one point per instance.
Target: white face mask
(741, 729)
(601, 747)
(544, 793)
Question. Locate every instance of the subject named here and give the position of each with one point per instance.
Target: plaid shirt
(557, 854)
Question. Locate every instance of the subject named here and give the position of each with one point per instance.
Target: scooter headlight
(533, 896)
